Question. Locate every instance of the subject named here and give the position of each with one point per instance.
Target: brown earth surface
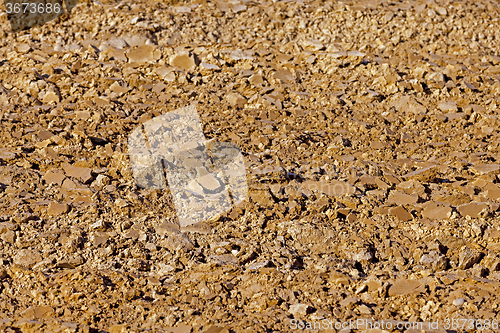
(370, 133)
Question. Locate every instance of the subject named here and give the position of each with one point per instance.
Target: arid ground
(370, 134)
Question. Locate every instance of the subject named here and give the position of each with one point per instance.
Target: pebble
(298, 309)
(54, 177)
(236, 100)
(81, 173)
(51, 98)
(448, 106)
(473, 209)
(401, 213)
(143, 53)
(56, 208)
(434, 211)
(404, 287)
(184, 61)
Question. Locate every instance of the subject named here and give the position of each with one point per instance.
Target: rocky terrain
(370, 134)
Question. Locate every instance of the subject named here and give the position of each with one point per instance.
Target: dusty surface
(370, 136)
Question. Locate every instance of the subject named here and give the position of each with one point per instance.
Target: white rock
(298, 309)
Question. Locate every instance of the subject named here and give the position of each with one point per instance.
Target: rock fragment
(27, 258)
(81, 173)
(448, 106)
(404, 287)
(473, 209)
(299, 309)
(468, 257)
(236, 100)
(50, 98)
(486, 168)
(401, 213)
(184, 61)
(434, 211)
(434, 260)
(143, 53)
(54, 177)
(401, 198)
(56, 208)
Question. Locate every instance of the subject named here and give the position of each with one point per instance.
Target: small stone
(458, 301)
(162, 71)
(118, 89)
(448, 106)
(116, 53)
(81, 173)
(50, 98)
(373, 285)
(408, 104)
(238, 7)
(256, 79)
(454, 199)
(212, 329)
(209, 66)
(351, 218)
(176, 240)
(170, 77)
(378, 145)
(23, 48)
(144, 53)
(195, 187)
(485, 168)
(262, 197)
(225, 259)
(473, 209)
(121, 203)
(101, 181)
(427, 174)
(236, 100)
(363, 256)
(313, 44)
(209, 183)
(434, 260)
(98, 225)
(284, 75)
(71, 261)
(434, 211)
(182, 9)
(401, 213)
(56, 208)
(183, 61)
(404, 287)
(45, 135)
(27, 257)
(349, 302)
(364, 310)
(54, 177)
(121, 328)
(6, 154)
(298, 309)
(491, 262)
(400, 198)
(83, 115)
(468, 257)
(256, 265)
(441, 10)
(9, 236)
